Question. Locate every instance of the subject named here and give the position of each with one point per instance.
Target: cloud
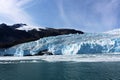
(62, 13)
(13, 11)
(22, 2)
(90, 15)
(108, 11)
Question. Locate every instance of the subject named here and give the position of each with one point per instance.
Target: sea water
(61, 71)
(81, 67)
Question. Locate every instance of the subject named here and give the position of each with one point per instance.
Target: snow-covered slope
(115, 31)
(28, 28)
(72, 44)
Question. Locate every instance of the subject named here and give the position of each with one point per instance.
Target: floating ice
(59, 58)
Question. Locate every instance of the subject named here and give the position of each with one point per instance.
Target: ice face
(72, 44)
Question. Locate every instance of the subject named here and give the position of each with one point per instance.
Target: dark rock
(28, 55)
(8, 55)
(43, 52)
(18, 25)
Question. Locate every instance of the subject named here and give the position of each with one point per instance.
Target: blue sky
(85, 15)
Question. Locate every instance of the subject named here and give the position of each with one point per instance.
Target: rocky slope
(11, 35)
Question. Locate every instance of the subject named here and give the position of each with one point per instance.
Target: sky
(85, 15)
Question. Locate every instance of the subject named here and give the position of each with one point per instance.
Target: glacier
(72, 44)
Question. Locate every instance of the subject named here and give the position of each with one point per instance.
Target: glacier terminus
(72, 44)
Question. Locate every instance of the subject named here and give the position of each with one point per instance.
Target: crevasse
(72, 44)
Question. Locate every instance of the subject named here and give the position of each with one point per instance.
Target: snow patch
(115, 31)
(28, 28)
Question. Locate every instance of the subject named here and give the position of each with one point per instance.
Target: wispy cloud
(90, 15)
(63, 14)
(13, 11)
(108, 11)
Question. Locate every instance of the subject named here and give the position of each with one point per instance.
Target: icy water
(43, 70)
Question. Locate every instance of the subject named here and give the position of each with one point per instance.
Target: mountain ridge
(11, 35)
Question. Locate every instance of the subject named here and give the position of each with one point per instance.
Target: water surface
(43, 70)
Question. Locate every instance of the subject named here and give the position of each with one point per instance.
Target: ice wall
(72, 44)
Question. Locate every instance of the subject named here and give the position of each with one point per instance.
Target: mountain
(71, 44)
(11, 35)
